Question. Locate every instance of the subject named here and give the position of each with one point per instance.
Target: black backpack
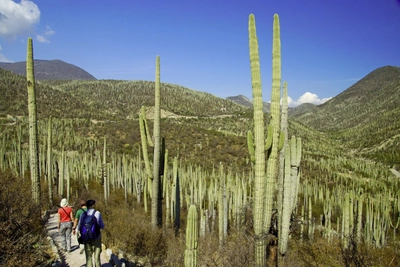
(90, 229)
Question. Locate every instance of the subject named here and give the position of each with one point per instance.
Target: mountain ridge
(55, 69)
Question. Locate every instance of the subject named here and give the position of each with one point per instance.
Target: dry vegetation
(23, 239)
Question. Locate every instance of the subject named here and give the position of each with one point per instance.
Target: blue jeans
(65, 230)
(90, 248)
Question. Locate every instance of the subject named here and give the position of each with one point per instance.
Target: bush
(23, 240)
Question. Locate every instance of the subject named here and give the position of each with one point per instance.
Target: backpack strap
(67, 214)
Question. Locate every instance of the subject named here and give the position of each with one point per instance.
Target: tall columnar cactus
(295, 158)
(156, 210)
(282, 172)
(272, 162)
(259, 156)
(176, 197)
(264, 182)
(33, 136)
(49, 163)
(104, 178)
(192, 236)
(290, 185)
(146, 140)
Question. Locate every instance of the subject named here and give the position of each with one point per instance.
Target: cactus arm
(272, 164)
(250, 145)
(268, 142)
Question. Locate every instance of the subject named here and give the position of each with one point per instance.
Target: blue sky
(327, 45)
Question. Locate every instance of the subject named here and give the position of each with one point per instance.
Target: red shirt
(65, 214)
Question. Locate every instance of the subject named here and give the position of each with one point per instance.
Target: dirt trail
(74, 258)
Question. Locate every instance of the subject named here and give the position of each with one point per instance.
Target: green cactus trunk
(33, 136)
(176, 196)
(282, 172)
(259, 150)
(272, 162)
(192, 236)
(156, 216)
(49, 163)
(104, 178)
(144, 133)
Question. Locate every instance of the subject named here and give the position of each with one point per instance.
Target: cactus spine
(192, 230)
(33, 136)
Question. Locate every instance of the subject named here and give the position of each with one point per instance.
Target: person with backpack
(65, 224)
(82, 204)
(89, 226)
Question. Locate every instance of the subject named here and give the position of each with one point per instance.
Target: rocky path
(73, 258)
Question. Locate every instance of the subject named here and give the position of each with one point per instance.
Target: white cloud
(49, 31)
(43, 38)
(307, 98)
(17, 18)
(3, 58)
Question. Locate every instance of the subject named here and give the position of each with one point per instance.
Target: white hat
(64, 202)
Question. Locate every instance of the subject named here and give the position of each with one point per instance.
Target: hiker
(65, 219)
(82, 204)
(89, 226)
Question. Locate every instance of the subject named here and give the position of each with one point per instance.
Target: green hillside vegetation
(348, 146)
(365, 117)
(303, 108)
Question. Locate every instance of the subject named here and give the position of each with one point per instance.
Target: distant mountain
(365, 117)
(50, 70)
(301, 109)
(367, 99)
(244, 101)
(106, 99)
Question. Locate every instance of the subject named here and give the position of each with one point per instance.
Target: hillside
(365, 116)
(303, 108)
(106, 99)
(244, 101)
(50, 70)
(210, 145)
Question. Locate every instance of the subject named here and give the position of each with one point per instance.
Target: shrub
(23, 241)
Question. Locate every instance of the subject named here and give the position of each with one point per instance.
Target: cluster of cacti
(276, 144)
(362, 202)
